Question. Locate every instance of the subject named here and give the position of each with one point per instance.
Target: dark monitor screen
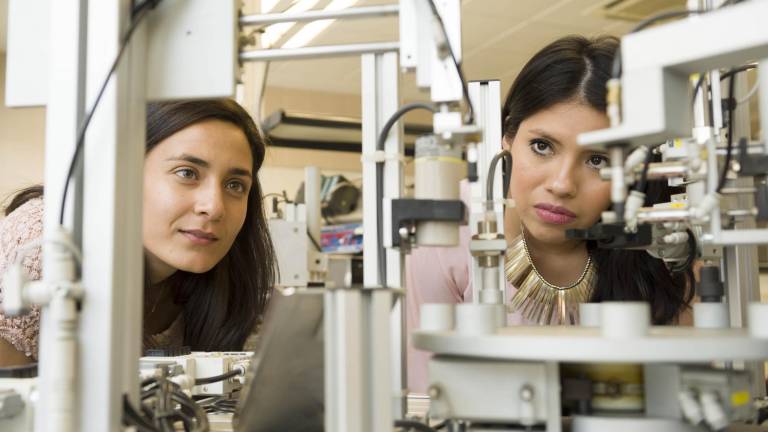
(284, 386)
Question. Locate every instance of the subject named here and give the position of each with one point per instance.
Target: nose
(209, 201)
(563, 182)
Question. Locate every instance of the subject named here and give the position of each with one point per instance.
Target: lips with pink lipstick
(554, 214)
(199, 237)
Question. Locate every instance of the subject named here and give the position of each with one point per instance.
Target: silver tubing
(318, 51)
(361, 12)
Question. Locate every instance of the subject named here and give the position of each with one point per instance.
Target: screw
(433, 392)
(526, 393)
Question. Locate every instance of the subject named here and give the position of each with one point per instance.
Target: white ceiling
(498, 38)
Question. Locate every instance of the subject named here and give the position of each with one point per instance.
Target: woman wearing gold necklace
(556, 185)
(558, 94)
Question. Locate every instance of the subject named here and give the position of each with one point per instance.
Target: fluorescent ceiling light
(273, 33)
(311, 30)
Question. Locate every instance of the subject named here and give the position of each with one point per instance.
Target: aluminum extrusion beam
(361, 12)
(318, 52)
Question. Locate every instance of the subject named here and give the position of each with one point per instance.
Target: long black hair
(223, 305)
(576, 68)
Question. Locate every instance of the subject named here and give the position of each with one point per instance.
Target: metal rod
(318, 52)
(737, 190)
(360, 12)
(662, 215)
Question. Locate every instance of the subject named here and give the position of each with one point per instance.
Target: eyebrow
(203, 163)
(544, 135)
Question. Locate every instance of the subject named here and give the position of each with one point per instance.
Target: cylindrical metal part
(665, 170)
(437, 316)
(762, 77)
(620, 320)
(359, 12)
(655, 215)
(312, 200)
(589, 314)
(488, 261)
(618, 182)
(711, 315)
(438, 170)
(476, 318)
(318, 51)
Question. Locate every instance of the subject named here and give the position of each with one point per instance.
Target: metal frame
(359, 12)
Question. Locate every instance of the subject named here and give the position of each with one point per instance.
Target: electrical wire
(616, 68)
(738, 69)
(139, 12)
(408, 425)
(380, 142)
(749, 94)
(729, 148)
(507, 156)
(470, 118)
(218, 378)
(690, 258)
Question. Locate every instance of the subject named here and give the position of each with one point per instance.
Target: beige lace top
(22, 226)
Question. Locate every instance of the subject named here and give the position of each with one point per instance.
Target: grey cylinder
(438, 171)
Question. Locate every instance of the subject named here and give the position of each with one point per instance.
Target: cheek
(525, 177)
(598, 194)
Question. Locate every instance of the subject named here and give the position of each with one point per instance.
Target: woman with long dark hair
(559, 94)
(209, 261)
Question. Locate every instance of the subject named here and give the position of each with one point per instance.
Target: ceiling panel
(499, 36)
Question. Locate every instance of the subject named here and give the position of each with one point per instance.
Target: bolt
(433, 392)
(526, 393)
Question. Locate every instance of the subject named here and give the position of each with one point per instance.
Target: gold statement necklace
(538, 300)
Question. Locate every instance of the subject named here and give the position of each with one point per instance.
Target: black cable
(412, 424)
(131, 417)
(699, 83)
(217, 378)
(642, 184)
(690, 258)
(314, 242)
(738, 69)
(729, 148)
(616, 68)
(380, 141)
(464, 89)
(507, 156)
(140, 12)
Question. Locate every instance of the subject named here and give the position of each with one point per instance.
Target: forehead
(564, 121)
(211, 140)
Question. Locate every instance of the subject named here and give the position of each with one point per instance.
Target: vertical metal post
(380, 99)
(64, 112)
(486, 98)
(110, 330)
(742, 278)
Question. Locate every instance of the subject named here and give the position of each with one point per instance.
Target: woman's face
(196, 185)
(555, 182)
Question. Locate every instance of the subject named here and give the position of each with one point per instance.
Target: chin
(196, 267)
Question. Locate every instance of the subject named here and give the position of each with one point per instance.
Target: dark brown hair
(223, 305)
(577, 68)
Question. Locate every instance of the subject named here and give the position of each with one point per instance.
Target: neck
(560, 264)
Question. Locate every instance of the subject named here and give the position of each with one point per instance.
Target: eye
(541, 147)
(236, 186)
(186, 173)
(597, 161)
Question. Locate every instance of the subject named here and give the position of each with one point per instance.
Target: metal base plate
(586, 344)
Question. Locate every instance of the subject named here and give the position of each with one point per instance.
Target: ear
(506, 143)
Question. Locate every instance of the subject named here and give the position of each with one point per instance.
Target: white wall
(22, 139)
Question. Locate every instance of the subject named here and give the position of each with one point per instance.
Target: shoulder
(24, 223)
